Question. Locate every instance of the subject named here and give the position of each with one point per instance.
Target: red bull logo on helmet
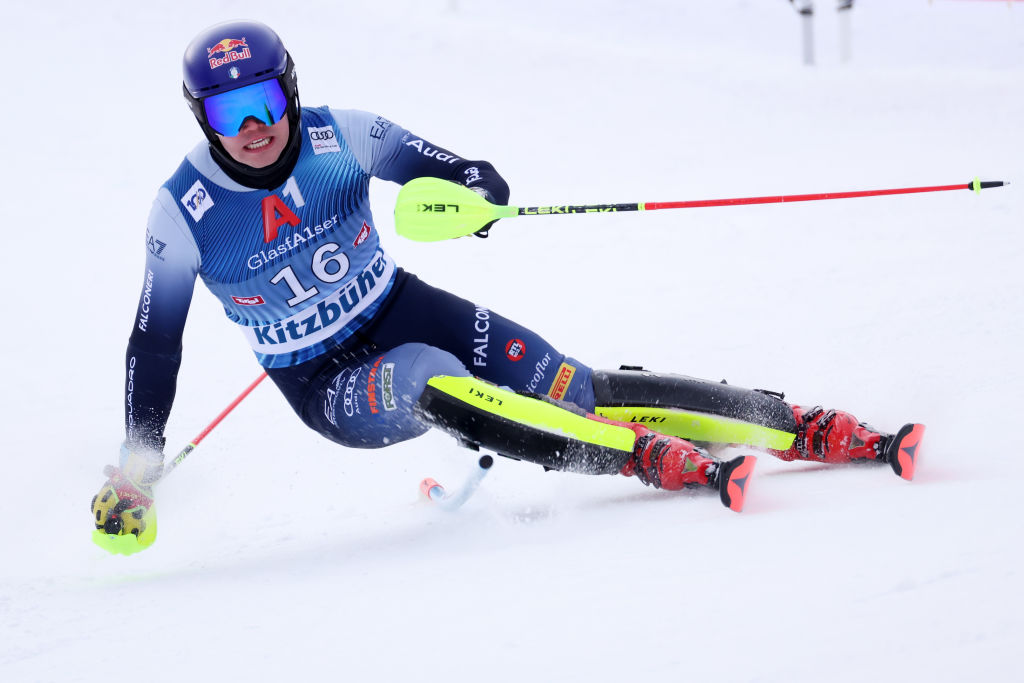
(230, 50)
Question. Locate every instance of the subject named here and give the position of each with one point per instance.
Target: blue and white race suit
(348, 337)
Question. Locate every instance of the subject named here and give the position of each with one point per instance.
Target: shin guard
(524, 427)
(695, 409)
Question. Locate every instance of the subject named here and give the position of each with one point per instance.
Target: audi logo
(321, 135)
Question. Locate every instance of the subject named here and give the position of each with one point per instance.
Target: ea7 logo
(155, 246)
(197, 200)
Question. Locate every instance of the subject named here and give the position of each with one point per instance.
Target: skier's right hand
(122, 504)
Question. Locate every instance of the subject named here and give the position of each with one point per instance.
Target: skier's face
(257, 144)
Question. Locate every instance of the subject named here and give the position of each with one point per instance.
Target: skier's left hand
(483, 232)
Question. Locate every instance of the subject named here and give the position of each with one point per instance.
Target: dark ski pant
(362, 394)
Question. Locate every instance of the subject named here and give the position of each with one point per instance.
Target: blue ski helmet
(240, 70)
(232, 57)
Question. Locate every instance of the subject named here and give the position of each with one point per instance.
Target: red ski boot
(671, 463)
(836, 437)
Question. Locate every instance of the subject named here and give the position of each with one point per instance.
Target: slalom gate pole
(806, 11)
(844, 7)
(432, 209)
(169, 467)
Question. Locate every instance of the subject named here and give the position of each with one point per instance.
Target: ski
(436, 493)
(732, 478)
(902, 450)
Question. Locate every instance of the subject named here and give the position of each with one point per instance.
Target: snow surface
(284, 557)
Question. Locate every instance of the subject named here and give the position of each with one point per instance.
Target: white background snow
(284, 557)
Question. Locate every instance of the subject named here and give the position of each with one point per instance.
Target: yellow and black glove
(124, 506)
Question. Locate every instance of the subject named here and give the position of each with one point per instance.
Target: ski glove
(483, 192)
(123, 502)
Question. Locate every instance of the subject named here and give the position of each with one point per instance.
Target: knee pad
(369, 404)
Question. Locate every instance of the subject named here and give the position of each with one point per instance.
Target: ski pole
(129, 544)
(453, 500)
(169, 467)
(431, 209)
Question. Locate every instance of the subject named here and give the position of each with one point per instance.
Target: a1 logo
(276, 213)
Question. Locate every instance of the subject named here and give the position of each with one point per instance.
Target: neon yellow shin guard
(695, 409)
(522, 427)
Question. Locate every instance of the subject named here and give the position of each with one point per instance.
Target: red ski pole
(129, 544)
(975, 185)
(432, 209)
(169, 467)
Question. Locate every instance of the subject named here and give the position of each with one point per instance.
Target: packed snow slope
(284, 557)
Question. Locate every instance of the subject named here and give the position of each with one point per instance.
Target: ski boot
(671, 463)
(833, 436)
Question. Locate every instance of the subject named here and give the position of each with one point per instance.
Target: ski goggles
(226, 112)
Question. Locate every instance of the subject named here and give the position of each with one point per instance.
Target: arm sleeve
(154, 347)
(390, 152)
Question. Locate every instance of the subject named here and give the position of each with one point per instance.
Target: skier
(272, 212)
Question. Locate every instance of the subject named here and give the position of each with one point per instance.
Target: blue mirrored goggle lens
(227, 112)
